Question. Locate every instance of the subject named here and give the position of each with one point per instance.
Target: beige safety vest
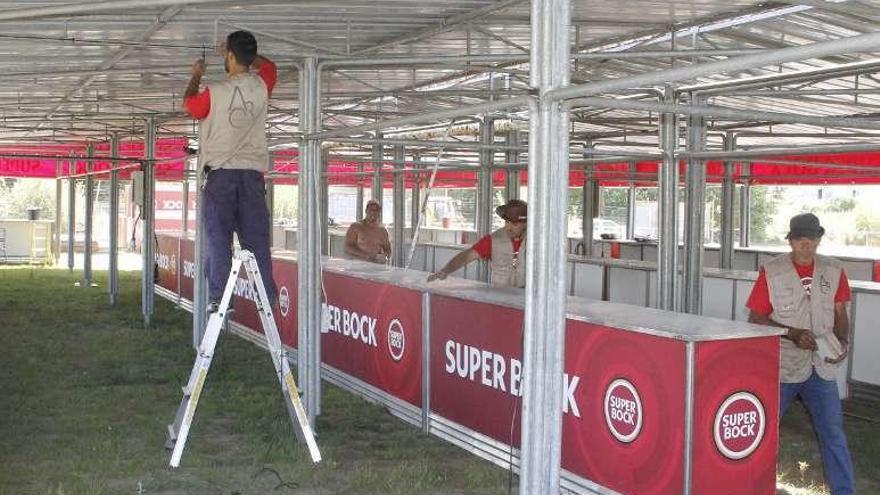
(793, 307)
(234, 133)
(506, 268)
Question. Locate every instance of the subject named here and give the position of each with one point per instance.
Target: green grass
(86, 392)
(800, 464)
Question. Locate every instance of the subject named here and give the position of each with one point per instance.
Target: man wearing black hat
(505, 249)
(806, 294)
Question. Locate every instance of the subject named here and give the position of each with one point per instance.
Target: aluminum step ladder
(179, 430)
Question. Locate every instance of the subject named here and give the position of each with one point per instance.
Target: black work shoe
(213, 307)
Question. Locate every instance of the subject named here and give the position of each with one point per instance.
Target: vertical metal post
(113, 275)
(324, 201)
(184, 226)
(426, 363)
(71, 214)
(690, 356)
(359, 194)
(696, 207)
(631, 203)
(588, 196)
(745, 205)
(544, 338)
(270, 198)
(667, 246)
(309, 257)
(59, 191)
(416, 196)
(511, 189)
(485, 189)
(147, 221)
(200, 280)
(397, 242)
(727, 194)
(376, 190)
(89, 219)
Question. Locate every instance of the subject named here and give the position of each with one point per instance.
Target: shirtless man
(368, 240)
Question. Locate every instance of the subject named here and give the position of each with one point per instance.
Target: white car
(600, 226)
(608, 228)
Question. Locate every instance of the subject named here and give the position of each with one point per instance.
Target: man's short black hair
(243, 45)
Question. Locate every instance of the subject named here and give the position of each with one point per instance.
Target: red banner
(283, 272)
(188, 268)
(167, 259)
(476, 366)
(285, 313)
(736, 416)
(628, 434)
(373, 332)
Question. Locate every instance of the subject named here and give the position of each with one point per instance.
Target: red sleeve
(268, 72)
(843, 293)
(198, 105)
(759, 299)
(483, 247)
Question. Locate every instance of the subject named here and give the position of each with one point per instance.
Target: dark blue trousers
(235, 201)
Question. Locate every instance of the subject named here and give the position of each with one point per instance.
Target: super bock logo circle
(623, 410)
(739, 425)
(284, 301)
(396, 340)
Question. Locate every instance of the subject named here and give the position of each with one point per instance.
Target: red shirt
(759, 299)
(483, 247)
(199, 105)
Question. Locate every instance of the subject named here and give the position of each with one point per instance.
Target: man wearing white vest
(806, 294)
(234, 156)
(505, 249)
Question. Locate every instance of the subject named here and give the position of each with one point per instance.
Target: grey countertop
(649, 321)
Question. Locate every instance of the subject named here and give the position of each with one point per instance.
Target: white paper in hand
(829, 346)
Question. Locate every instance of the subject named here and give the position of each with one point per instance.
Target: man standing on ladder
(234, 156)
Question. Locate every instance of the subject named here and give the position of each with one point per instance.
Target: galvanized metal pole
(485, 190)
(270, 198)
(511, 189)
(59, 191)
(397, 242)
(416, 196)
(359, 195)
(745, 208)
(89, 219)
(324, 201)
(147, 222)
(544, 338)
(309, 249)
(200, 280)
(376, 190)
(696, 207)
(631, 203)
(727, 195)
(667, 224)
(113, 274)
(71, 214)
(588, 196)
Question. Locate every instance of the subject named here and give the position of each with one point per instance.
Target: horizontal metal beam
(865, 42)
(727, 113)
(506, 103)
(92, 8)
